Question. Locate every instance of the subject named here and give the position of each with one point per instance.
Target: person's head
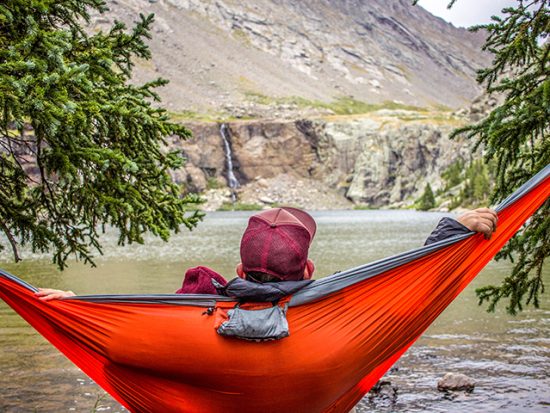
(275, 246)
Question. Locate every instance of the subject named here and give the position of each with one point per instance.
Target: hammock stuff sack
(161, 353)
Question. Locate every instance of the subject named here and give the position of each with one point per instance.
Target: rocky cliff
(378, 160)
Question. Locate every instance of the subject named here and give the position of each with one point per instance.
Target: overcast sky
(466, 13)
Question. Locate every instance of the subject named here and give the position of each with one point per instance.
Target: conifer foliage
(515, 138)
(80, 147)
(427, 200)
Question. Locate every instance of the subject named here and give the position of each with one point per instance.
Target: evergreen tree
(427, 200)
(477, 187)
(80, 147)
(515, 136)
(453, 174)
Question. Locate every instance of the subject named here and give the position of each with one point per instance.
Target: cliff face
(221, 55)
(384, 159)
(259, 149)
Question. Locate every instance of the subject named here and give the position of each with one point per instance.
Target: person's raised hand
(48, 294)
(482, 220)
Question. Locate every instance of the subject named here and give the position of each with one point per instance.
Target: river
(509, 357)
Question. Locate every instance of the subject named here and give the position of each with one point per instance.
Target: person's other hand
(482, 220)
(48, 294)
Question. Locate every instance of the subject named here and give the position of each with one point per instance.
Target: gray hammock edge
(317, 289)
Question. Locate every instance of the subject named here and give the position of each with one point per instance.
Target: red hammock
(162, 353)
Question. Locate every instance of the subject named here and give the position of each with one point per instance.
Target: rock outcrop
(380, 160)
(456, 381)
(384, 160)
(260, 149)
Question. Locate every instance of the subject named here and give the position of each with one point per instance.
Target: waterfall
(232, 180)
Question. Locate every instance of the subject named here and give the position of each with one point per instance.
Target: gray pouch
(258, 325)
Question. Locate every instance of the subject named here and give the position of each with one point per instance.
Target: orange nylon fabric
(160, 357)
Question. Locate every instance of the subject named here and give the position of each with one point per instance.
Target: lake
(509, 357)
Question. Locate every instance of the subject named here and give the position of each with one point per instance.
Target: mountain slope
(221, 54)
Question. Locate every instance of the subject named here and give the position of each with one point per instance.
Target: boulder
(456, 381)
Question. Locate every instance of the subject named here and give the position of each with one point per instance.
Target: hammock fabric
(161, 353)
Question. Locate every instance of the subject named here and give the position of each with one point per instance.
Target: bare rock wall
(380, 160)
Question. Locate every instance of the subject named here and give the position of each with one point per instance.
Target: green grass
(438, 118)
(238, 206)
(340, 106)
(98, 402)
(208, 117)
(241, 35)
(213, 183)
(349, 106)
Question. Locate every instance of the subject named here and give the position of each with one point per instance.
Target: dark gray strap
(244, 290)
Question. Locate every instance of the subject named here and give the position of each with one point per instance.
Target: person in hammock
(274, 255)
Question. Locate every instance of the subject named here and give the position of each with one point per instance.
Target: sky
(466, 13)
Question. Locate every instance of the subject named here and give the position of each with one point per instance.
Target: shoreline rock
(456, 382)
